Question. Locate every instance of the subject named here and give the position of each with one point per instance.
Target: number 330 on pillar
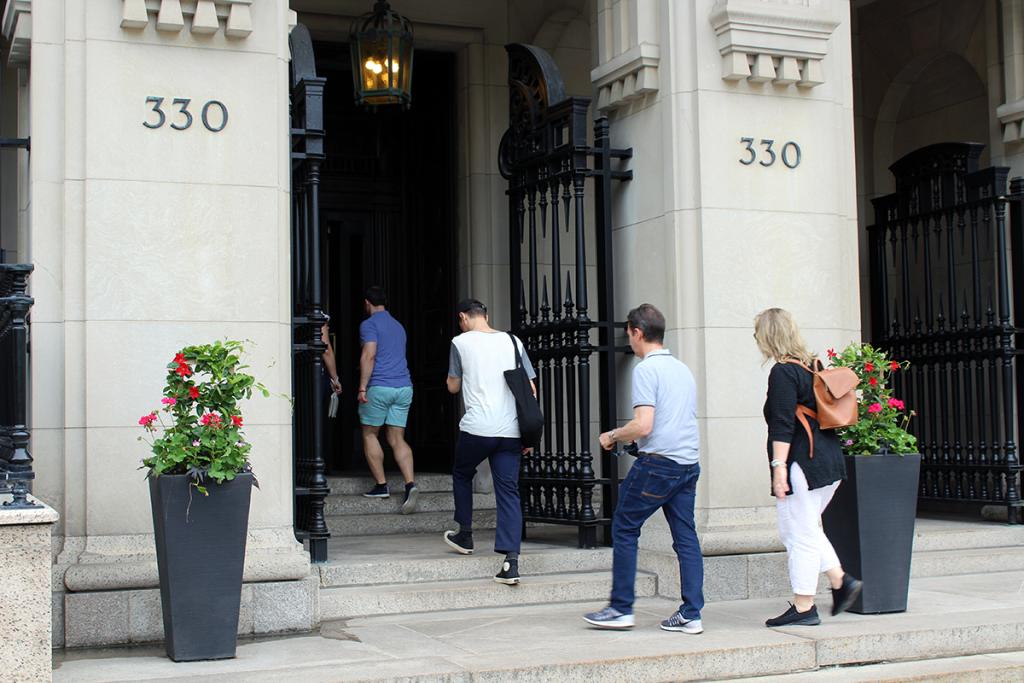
(214, 123)
(790, 153)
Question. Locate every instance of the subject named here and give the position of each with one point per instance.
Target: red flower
(869, 367)
(894, 366)
(896, 403)
(147, 420)
(831, 353)
(237, 419)
(193, 393)
(873, 381)
(211, 418)
(875, 408)
(184, 370)
(179, 358)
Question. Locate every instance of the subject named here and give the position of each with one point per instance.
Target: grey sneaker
(677, 622)
(609, 618)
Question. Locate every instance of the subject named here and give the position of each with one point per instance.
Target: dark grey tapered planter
(200, 551)
(870, 523)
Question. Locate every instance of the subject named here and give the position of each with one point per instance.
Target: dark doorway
(387, 211)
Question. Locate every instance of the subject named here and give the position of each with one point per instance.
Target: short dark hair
(471, 307)
(649, 321)
(376, 296)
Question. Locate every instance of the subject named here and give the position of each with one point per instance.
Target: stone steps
(939, 534)
(395, 524)
(998, 667)
(345, 602)
(429, 559)
(969, 561)
(427, 483)
(426, 502)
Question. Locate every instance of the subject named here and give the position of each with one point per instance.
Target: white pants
(809, 550)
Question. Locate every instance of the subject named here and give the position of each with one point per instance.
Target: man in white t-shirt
(488, 431)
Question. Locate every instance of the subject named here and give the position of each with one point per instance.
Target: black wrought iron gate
(945, 253)
(546, 158)
(308, 384)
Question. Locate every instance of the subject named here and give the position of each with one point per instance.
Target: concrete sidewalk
(948, 617)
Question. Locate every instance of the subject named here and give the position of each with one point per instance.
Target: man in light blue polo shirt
(385, 395)
(664, 476)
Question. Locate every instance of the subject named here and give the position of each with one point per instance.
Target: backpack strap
(802, 411)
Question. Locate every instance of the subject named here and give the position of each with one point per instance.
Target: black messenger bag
(531, 419)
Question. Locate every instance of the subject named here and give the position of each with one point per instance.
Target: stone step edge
(475, 582)
(580, 670)
(900, 671)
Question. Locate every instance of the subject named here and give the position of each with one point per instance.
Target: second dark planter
(870, 523)
(200, 550)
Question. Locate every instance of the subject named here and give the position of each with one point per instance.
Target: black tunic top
(789, 385)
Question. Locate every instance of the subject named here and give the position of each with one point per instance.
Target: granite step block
(452, 566)
(426, 502)
(391, 524)
(361, 601)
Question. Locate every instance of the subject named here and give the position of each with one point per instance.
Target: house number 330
(789, 154)
(214, 114)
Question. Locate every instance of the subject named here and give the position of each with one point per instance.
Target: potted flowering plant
(200, 483)
(870, 521)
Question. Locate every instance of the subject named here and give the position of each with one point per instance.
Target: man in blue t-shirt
(664, 476)
(385, 395)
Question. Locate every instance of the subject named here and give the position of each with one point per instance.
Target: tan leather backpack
(835, 392)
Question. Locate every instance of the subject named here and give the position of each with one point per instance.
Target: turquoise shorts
(386, 406)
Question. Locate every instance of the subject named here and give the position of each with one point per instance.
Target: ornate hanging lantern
(382, 57)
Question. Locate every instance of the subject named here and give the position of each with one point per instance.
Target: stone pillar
(1010, 113)
(743, 198)
(25, 603)
(160, 218)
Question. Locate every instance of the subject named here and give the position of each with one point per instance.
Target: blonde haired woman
(803, 483)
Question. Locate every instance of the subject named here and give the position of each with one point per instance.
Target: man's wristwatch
(778, 463)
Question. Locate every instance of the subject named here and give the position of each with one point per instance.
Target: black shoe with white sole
(412, 494)
(793, 618)
(378, 491)
(844, 596)
(462, 541)
(509, 574)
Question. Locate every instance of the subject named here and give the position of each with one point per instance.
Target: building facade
(156, 202)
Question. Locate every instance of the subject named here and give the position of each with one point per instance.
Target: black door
(387, 204)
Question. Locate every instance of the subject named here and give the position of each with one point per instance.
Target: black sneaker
(844, 596)
(412, 493)
(462, 541)
(509, 574)
(793, 618)
(378, 491)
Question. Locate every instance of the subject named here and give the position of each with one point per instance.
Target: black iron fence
(547, 159)
(16, 473)
(308, 379)
(945, 252)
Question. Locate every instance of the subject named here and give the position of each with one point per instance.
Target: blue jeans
(651, 484)
(504, 455)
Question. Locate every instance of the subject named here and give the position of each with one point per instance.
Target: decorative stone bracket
(16, 24)
(773, 40)
(206, 15)
(627, 77)
(1011, 116)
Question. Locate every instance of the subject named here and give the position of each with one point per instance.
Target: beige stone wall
(146, 240)
(712, 241)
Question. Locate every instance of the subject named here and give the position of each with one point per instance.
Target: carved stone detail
(17, 30)
(206, 16)
(777, 41)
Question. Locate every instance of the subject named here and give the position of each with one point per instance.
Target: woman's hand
(336, 385)
(780, 482)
